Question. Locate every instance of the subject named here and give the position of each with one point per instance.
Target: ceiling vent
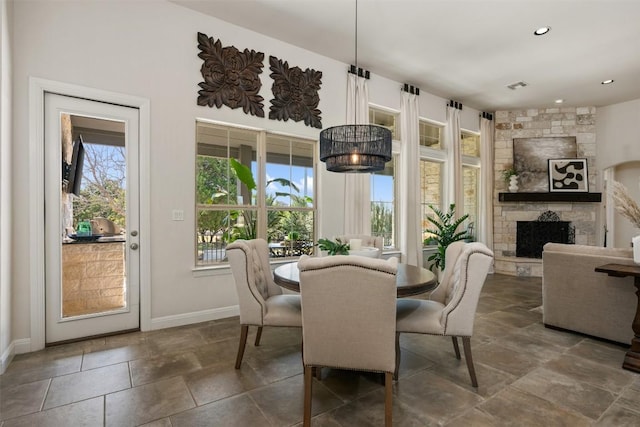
(517, 85)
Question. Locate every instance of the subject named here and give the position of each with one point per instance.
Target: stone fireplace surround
(551, 122)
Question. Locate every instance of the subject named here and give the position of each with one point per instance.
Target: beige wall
(619, 148)
(617, 133)
(628, 173)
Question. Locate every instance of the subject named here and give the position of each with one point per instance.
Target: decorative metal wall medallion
(231, 77)
(548, 216)
(295, 93)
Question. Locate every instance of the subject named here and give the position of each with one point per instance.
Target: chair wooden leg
(308, 380)
(397, 370)
(466, 343)
(258, 336)
(244, 331)
(456, 348)
(388, 399)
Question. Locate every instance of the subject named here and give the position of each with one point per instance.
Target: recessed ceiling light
(542, 31)
(559, 101)
(607, 82)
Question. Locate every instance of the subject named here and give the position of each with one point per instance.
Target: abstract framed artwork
(531, 156)
(568, 175)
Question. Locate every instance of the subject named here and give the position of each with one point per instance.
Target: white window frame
(473, 162)
(436, 155)
(260, 206)
(395, 153)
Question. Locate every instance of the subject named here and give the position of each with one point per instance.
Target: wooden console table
(632, 358)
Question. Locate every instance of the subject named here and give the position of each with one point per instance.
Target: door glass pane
(93, 212)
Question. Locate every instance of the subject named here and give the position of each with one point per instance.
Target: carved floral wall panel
(295, 93)
(231, 77)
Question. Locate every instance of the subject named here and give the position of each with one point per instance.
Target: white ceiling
(465, 50)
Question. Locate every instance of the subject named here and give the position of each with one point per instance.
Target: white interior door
(92, 279)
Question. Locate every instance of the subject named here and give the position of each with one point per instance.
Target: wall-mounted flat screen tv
(72, 173)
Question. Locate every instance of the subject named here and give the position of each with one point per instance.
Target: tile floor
(528, 375)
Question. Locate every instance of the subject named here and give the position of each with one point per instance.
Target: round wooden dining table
(410, 280)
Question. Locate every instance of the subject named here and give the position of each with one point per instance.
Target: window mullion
(261, 202)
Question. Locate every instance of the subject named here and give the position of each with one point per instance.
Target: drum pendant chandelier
(355, 148)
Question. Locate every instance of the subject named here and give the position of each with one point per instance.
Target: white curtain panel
(410, 221)
(454, 161)
(485, 211)
(357, 201)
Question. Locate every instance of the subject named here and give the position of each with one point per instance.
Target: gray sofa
(576, 298)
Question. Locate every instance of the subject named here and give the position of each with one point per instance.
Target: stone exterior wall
(430, 185)
(93, 278)
(470, 190)
(577, 122)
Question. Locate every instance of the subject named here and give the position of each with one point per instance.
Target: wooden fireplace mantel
(551, 197)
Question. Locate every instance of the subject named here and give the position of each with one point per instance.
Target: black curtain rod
(411, 89)
(360, 72)
(486, 115)
(455, 104)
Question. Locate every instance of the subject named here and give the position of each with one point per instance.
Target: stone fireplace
(582, 216)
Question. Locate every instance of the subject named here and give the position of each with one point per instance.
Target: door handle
(134, 233)
(134, 246)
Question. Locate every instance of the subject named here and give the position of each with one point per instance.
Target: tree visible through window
(383, 204)
(383, 209)
(102, 194)
(236, 201)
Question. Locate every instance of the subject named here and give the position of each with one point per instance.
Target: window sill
(225, 269)
(218, 270)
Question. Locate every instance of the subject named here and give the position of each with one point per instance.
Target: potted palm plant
(443, 233)
(337, 247)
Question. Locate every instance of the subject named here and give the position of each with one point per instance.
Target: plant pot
(513, 183)
(636, 249)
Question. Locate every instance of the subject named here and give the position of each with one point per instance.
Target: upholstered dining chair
(367, 240)
(348, 318)
(261, 301)
(451, 308)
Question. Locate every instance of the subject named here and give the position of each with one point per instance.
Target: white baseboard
(6, 357)
(194, 317)
(24, 345)
(16, 347)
